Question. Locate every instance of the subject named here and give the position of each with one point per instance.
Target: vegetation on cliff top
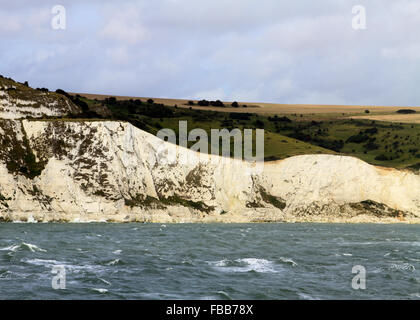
(376, 142)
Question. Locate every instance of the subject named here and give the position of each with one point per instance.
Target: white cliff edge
(112, 171)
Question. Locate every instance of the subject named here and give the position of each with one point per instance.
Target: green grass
(384, 143)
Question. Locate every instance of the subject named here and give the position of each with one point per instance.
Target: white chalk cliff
(57, 170)
(112, 171)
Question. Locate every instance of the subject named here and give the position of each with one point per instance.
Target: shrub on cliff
(62, 92)
(358, 138)
(111, 100)
(382, 157)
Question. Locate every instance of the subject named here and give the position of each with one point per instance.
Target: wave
(43, 262)
(105, 281)
(23, 246)
(289, 261)
(100, 290)
(245, 265)
(305, 296)
(224, 295)
(9, 275)
(113, 262)
(402, 267)
(67, 266)
(30, 219)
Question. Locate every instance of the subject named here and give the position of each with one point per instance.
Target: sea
(209, 261)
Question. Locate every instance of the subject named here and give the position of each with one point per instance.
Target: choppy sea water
(209, 261)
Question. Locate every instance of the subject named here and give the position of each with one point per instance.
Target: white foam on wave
(105, 281)
(30, 219)
(402, 267)
(67, 266)
(43, 262)
(82, 221)
(288, 260)
(100, 290)
(113, 262)
(245, 265)
(12, 248)
(6, 275)
(225, 295)
(305, 296)
(221, 263)
(29, 246)
(33, 247)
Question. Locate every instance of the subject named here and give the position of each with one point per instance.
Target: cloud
(8, 24)
(410, 52)
(213, 94)
(268, 51)
(124, 26)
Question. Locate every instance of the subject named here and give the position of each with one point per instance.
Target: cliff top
(18, 100)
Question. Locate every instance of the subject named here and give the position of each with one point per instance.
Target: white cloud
(268, 51)
(9, 24)
(212, 94)
(411, 52)
(124, 25)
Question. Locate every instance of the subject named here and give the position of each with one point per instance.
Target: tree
(62, 92)
(217, 103)
(259, 124)
(235, 104)
(111, 100)
(150, 101)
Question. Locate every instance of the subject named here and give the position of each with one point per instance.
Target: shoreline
(234, 219)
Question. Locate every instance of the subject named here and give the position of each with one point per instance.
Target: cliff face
(112, 171)
(20, 101)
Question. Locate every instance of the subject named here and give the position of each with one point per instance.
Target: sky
(295, 51)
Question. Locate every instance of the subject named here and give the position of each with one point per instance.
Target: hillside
(267, 109)
(390, 144)
(18, 100)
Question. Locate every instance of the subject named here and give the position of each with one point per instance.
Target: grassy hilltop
(385, 143)
(289, 130)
